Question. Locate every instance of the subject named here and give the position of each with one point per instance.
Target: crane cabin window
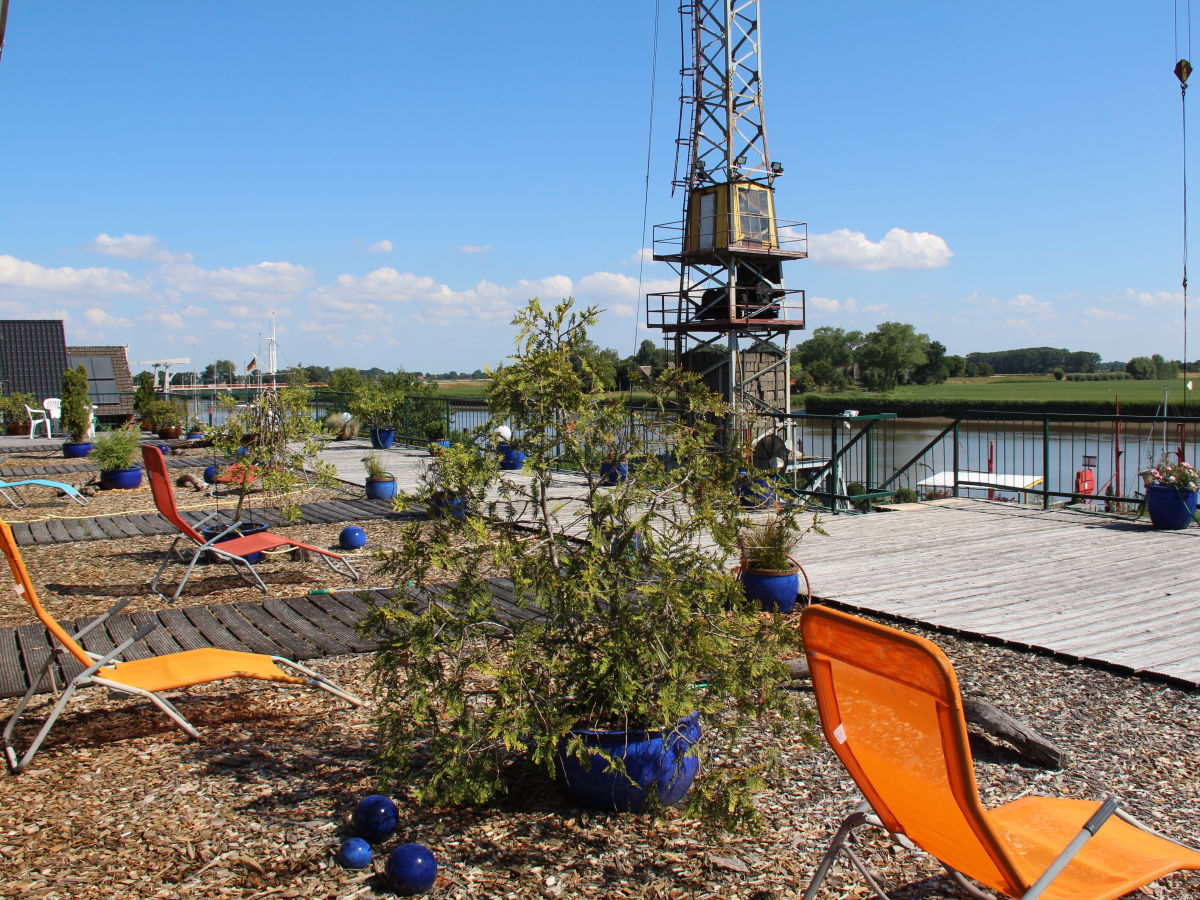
(754, 215)
(708, 221)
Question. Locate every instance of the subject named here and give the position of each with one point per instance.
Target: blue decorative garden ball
(355, 853)
(412, 869)
(210, 475)
(375, 818)
(165, 448)
(352, 538)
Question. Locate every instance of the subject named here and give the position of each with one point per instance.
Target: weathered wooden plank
(326, 643)
(95, 641)
(121, 628)
(12, 673)
(294, 646)
(58, 531)
(251, 637)
(213, 631)
(22, 534)
(40, 533)
(317, 514)
(181, 630)
(120, 526)
(75, 530)
(159, 640)
(34, 645)
(329, 625)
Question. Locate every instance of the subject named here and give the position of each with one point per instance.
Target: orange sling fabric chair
(147, 678)
(891, 710)
(232, 551)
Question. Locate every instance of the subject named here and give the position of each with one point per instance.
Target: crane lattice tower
(731, 317)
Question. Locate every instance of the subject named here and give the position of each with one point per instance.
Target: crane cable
(637, 317)
(1182, 70)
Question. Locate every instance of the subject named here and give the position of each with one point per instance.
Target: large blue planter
(121, 479)
(511, 457)
(612, 473)
(455, 506)
(381, 438)
(76, 451)
(381, 488)
(1170, 507)
(655, 762)
(775, 591)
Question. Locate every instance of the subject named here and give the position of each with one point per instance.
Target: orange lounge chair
(147, 678)
(234, 551)
(891, 710)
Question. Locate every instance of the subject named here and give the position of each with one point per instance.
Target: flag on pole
(252, 365)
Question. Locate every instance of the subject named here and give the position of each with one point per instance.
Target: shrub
(116, 450)
(76, 409)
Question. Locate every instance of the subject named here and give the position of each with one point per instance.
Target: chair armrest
(118, 650)
(103, 617)
(1090, 827)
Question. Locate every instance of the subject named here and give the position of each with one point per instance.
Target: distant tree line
(1037, 360)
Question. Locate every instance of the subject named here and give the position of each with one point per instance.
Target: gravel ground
(118, 804)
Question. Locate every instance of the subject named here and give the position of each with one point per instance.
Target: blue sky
(395, 179)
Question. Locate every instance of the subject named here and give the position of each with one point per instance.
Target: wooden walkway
(294, 627)
(1080, 585)
(11, 473)
(99, 528)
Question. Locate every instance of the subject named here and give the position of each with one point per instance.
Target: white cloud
(1110, 315)
(899, 249)
(252, 285)
(102, 318)
(829, 305)
(1032, 306)
(476, 248)
(18, 275)
(381, 247)
(135, 246)
(623, 310)
(1155, 299)
(644, 255)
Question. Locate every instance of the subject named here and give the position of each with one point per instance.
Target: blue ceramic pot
(444, 445)
(512, 457)
(381, 488)
(195, 435)
(657, 762)
(210, 475)
(775, 591)
(613, 473)
(756, 493)
(76, 451)
(121, 479)
(381, 438)
(208, 532)
(456, 506)
(1170, 507)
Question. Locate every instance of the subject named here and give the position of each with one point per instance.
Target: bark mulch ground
(119, 804)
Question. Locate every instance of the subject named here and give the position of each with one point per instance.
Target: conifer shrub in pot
(116, 454)
(271, 450)
(76, 413)
(623, 613)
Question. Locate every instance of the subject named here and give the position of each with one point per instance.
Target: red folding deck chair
(891, 710)
(233, 551)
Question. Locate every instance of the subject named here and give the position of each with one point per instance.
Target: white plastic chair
(37, 417)
(53, 408)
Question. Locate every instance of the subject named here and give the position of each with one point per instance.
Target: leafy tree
(222, 371)
(346, 380)
(890, 354)
(956, 366)
(1164, 368)
(935, 369)
(1142, 368)
(76, 409)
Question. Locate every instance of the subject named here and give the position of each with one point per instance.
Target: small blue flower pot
(382, 438)
(512, 458)
(381, 488)
(612, 473)
(121, 479)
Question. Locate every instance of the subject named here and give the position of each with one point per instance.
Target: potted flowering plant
(1171, 493)
(769, 573)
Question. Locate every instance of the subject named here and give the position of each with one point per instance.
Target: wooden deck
(99, 528)
(1081, 585)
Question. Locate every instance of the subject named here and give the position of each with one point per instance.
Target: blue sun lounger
(20, 501)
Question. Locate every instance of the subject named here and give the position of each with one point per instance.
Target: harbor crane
(730, 319)
(165, 365)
